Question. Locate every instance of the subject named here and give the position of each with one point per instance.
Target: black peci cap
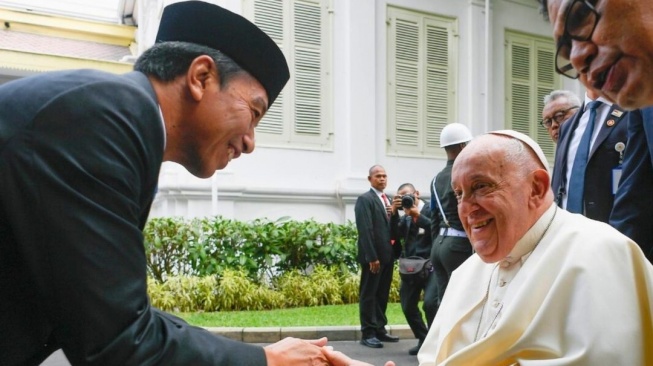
(212, 26)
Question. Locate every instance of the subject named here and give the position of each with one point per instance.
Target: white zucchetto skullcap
(528, 141)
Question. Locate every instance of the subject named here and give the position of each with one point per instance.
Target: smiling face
(218, 123)
(617, 59)
(499, 199)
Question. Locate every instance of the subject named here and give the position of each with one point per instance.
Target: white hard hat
(454, 133)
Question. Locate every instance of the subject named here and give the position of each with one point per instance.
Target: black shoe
(372, 342)
(413, 351)
(385, 337)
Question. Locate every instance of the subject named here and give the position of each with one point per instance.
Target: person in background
(451, 246)
(413, 238)
(545, 286)
(589, 157)
(559, 106)
(375, 255)
(80, 154)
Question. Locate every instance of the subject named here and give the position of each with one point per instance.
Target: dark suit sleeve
(81, 179)
(363, 211)
(633, 200)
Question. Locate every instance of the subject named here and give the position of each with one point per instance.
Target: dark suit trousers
(409, 293)
(373, 299)
(447, 253)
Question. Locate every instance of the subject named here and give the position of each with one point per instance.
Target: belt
(449, 231)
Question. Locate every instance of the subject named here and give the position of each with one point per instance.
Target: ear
(540, 186)
(201, 73)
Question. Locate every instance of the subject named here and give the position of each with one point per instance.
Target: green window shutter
(308, 68)
(300, 115)
(421, 92)
(407, 83)
(438, 79)
(531, 76)
(268, 15)
(521, 88)
(546, 83)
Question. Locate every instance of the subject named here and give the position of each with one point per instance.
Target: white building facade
(372, 82)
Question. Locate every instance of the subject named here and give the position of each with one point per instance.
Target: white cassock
(582, 295)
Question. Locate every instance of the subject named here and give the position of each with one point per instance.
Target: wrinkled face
(221, 126)
(378, 179)
(557, 112)
(618, 58)
(493, 199)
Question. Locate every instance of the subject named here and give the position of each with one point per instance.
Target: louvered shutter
(406, 83)
(268, 15)
(421, 93)
(521, 85)
(308, 68)
(439, 96)
(545, 84)
(299, 117)
(531, 76)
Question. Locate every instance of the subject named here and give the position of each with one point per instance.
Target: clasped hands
(294, 351)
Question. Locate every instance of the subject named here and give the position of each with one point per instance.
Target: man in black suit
(80, 153)
(375, 255)
(413, 239)
(592, 196)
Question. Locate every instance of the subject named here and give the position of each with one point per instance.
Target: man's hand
(294, 351)
(412, 212)
(375, 266)
(337, 358)
(396, 204)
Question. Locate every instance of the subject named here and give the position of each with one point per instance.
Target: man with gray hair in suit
(559, 106)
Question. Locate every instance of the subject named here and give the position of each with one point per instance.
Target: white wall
(302, 184)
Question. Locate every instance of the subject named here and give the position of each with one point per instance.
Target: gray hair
(168, 60)
(521, 155)
(571, 97)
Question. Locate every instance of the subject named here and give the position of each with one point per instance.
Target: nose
(249, 142)
(582, 54)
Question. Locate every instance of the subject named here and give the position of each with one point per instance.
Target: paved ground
(397, 352)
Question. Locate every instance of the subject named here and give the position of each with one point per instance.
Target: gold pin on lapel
(610, 123)
(617, 113)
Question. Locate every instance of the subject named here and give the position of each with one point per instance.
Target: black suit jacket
(373, 229)
(410, 239)
(80, 153)
(633, 203)
(603, 157)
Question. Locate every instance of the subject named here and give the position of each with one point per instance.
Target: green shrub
(263, 249)
(234, 290)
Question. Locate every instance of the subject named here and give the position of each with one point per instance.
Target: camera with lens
(407, 200)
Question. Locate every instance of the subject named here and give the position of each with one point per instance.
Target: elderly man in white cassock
(545, 286)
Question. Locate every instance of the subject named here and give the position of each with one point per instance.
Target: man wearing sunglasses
(608, 46)
(559, 106)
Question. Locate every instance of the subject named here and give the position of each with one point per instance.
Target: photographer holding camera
(413, 240)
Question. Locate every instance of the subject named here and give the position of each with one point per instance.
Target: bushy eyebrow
(260, 103)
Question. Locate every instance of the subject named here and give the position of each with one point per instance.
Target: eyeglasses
(558, 117)
(580, 22)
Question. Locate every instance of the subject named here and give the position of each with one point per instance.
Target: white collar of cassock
(529, 241)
